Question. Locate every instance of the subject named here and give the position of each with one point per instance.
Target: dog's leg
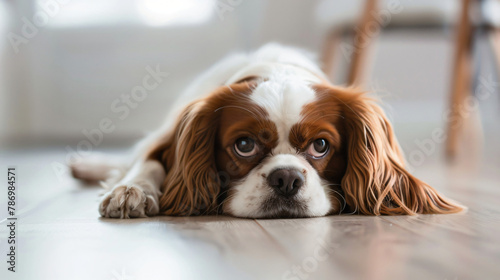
(99, 167)
(137, 194)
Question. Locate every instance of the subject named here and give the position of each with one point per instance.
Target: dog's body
(266, 135)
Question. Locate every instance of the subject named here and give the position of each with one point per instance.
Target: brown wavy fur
(192, 183)
(376, 181)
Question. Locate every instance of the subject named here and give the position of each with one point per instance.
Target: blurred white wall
(68, 75)
(4, 20)
(66, 78)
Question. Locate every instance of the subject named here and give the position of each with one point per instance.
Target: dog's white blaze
(283, 96)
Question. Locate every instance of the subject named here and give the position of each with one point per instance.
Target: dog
(266, 135)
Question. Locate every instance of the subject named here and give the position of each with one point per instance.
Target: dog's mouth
(277, 206)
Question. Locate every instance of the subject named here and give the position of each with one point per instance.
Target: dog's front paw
(128, 201)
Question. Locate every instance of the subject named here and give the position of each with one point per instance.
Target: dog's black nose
(286, 182)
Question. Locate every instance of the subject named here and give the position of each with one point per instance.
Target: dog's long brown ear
(192, 184)
(187, 154)
(376, 181)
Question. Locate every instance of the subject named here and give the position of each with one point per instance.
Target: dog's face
(288, 148)
(278, 153)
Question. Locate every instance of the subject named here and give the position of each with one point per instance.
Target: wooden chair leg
(495, 42)
(328, 52)
(461, 80)
(363, 39)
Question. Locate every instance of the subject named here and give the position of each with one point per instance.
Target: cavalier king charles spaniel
(266, 135)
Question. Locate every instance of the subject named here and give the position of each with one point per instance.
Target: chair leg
(363, 39)
(461, 81)
(495, 42)
(328, 52)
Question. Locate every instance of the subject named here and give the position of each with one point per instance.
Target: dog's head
(287, 148)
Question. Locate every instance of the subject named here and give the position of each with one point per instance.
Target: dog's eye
(318, 148)
(245, 147)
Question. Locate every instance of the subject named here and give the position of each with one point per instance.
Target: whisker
(345, 202)
(225, 199)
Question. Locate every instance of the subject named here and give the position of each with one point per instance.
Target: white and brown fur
(279, 97)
